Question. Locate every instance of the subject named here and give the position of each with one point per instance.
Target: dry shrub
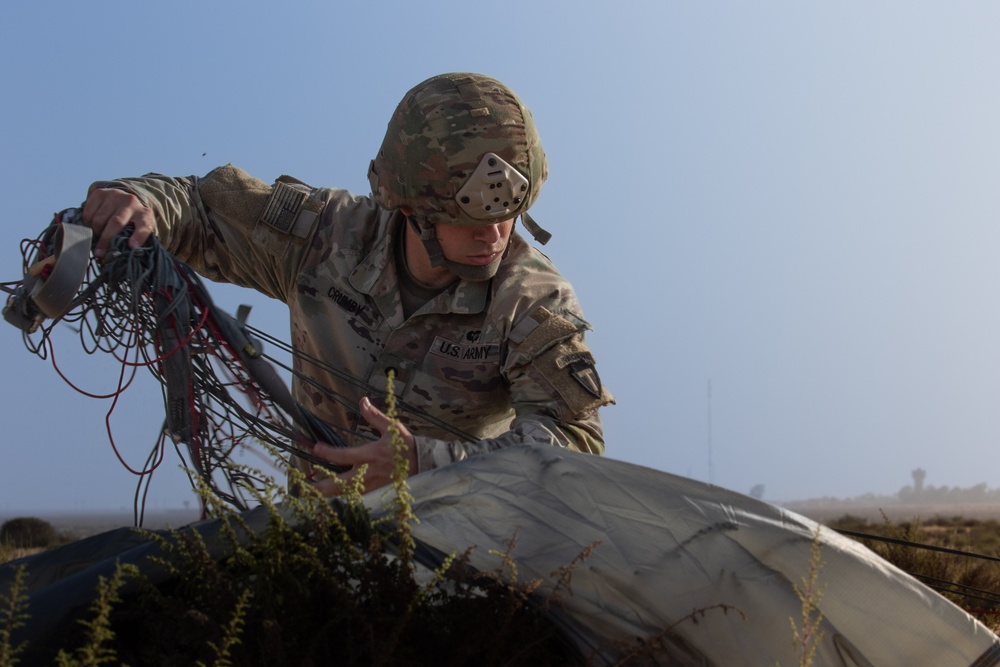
(970, 581)
(29, 533)
(303, 595)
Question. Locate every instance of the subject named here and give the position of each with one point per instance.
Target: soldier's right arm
(211, 223)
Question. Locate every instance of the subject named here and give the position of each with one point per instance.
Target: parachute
(709, 575)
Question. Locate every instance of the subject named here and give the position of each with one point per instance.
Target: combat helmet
(460, 148)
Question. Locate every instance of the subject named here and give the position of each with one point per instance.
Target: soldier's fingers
(109, 211)
(134, 213)
(113, 224)
(330, 487)
(96, 211)
(343, 456)
(144, 228)
(375, 417)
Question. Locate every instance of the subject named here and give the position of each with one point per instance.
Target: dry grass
(969, 581)
(8, 554)
(978, 579)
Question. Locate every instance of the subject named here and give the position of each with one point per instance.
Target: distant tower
(918, 480)
(711, 463)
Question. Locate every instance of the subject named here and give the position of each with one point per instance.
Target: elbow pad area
(273, 214)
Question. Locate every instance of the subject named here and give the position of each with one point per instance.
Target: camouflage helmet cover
(443, 131)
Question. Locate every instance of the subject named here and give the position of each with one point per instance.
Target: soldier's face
(477, 245)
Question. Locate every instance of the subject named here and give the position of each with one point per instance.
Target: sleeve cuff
(432, 453)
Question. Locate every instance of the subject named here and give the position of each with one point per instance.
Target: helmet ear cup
(494, 190)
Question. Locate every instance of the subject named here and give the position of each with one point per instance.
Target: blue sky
(795, 203)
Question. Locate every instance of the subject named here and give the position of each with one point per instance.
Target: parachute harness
(147, 309)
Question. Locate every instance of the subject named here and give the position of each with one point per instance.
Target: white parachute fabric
(710, 572)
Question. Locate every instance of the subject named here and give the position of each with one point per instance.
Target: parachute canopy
(708, 573)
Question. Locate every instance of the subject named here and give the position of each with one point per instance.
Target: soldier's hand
(378, 455)
(108, 211)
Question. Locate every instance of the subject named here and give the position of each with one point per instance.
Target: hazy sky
(793, 203)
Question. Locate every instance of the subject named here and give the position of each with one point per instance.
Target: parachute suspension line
(955, 588)
(148, 310)
(403, 407)
(221, 395)
(917, 545)
(940, 585)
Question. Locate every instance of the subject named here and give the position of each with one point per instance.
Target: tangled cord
(222, 396)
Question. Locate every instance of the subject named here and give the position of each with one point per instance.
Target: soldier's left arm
(554, 387)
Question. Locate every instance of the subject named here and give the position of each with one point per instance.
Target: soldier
(425, 277)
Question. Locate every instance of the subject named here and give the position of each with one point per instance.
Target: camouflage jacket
(502, 361)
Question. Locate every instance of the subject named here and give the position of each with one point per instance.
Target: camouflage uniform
(503, 360)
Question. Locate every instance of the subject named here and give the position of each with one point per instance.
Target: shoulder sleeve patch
(540, 330)
(292, 207)
(560, 362)
(284, 207)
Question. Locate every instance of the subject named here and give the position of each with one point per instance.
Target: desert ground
(76, 525)
(896, 512)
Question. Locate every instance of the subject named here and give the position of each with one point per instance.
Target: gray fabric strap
(535, 229)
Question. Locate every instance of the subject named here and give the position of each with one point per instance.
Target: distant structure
(711, 463)
(918, 481)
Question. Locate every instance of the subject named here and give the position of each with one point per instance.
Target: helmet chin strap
(469, 272)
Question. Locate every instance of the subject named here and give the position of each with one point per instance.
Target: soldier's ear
(406, 210)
